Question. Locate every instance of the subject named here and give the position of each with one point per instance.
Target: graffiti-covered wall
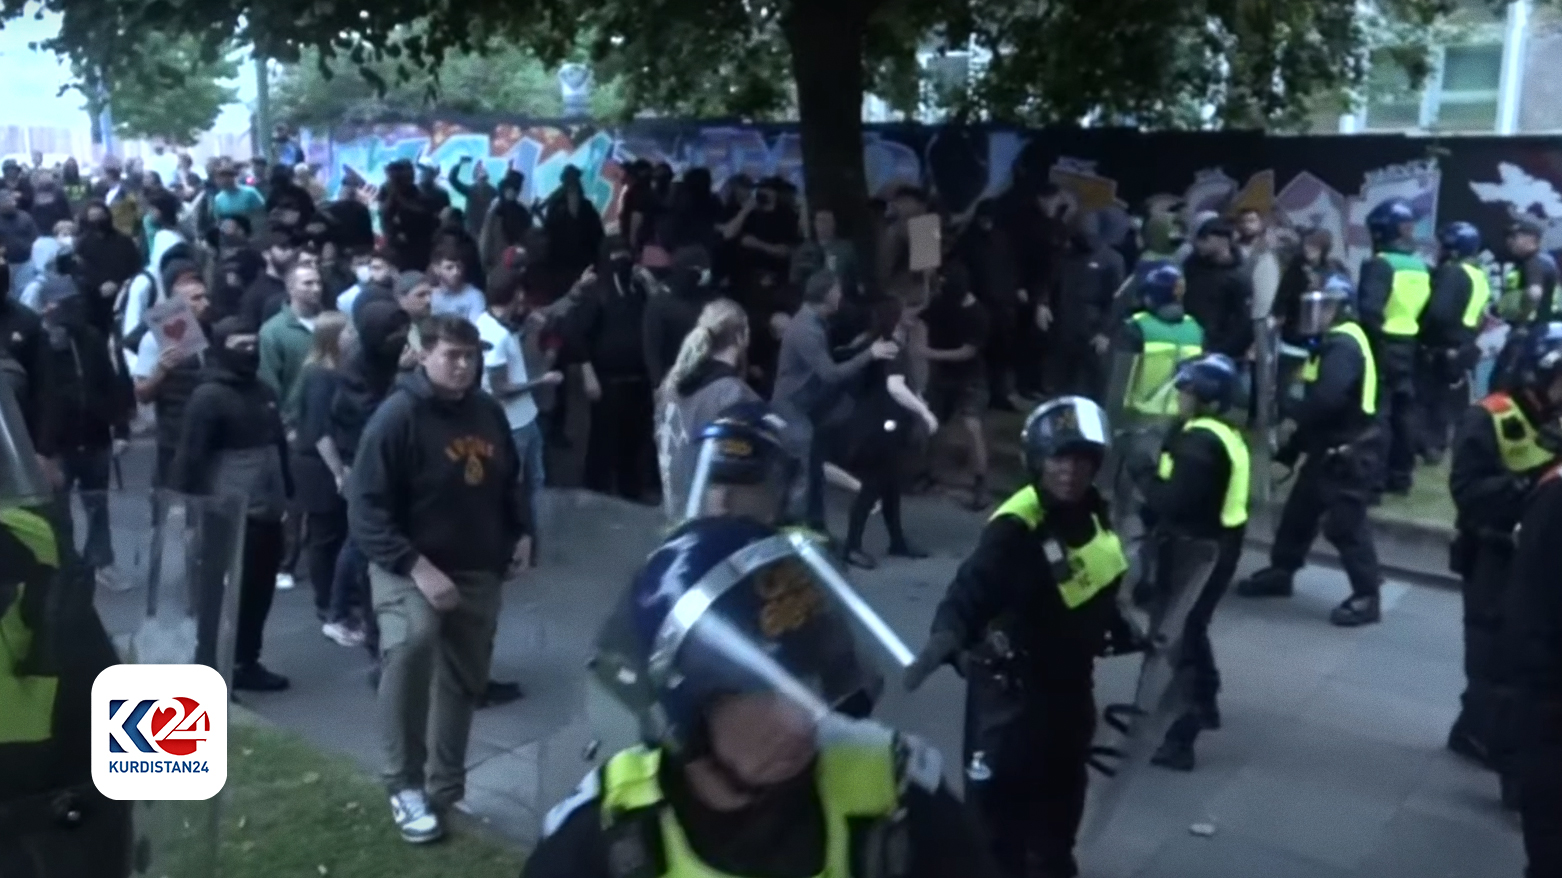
(1327, 181)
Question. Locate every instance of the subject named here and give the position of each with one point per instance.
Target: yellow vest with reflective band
(26, 702)
(855, 781)
(1512, 305)
(1369, 377)
(1233, 509)
(1517, 440)
(1092, 567)
(1408, 296)
(1150, 390)
(1480, 295)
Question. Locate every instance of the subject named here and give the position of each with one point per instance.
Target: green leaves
(161, 86)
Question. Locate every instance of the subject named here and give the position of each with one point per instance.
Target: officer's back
(1331, 413)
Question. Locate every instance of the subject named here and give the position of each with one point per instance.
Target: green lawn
(292, 810)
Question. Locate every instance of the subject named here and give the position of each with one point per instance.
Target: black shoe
(1209, 716)
(1462, 743)
(905, 550)
(1002, 404)
(496, 693)
(1271, 582)
(255, 678)
(1357, 611)
(859, 558)
(1174, 755)
(1510, 792)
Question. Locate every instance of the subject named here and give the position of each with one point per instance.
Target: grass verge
(292, 810)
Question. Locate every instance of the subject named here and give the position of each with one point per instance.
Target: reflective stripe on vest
(1092, 567)
(855, 781)
(1150, 387)
(1369, 378)
(26, 702)
(1480, 295)
(1233, 508)
(1408, 296)
(1517, 440)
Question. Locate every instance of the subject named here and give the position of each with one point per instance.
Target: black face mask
(244, 364)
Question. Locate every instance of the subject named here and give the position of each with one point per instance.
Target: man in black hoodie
(106, 260)
(1079, 318)
(1219, 293)
(233, 444)
(435, 502)
(670, 315)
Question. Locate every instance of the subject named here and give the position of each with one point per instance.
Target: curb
(1416, 552)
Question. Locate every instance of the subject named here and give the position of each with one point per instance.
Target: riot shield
(1266, 405)
(1133, 731)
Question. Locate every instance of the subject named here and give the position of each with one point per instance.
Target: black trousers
(1198, 652)
(257, 586)
(324, 534)
(1539, 760)
(1076, 368)
(618, 449)
(1036, 745)
(36, 842)
(1442, 392)
(87, 470)
(1331, 492)
(1397, 410)
(1486, 707)
(878, 468)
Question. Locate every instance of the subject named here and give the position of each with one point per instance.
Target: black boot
(906, 550)
(255, 678)
(496, 693)
(1271, 582)
(1175, 755)
(1357, 611)
(1209, 715)
(1464, 742)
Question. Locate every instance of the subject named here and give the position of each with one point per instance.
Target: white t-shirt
(468, 303)
(504, 351)
(344, 301)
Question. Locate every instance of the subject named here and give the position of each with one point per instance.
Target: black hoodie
(369, 373)
(1220, 297)
(437, 478)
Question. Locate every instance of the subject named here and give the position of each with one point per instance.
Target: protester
(18, 231)
(611, 318)
(958, 331)
(286, 341)
(376, 277)
(268, 292)
(671, 315)
(50, 206)
(1219, 292)
(435, 502)
(479, 195)
(573, 227)
(166, 379)
(107, 262)
(508, 221)
(319, 496)
(407, 218)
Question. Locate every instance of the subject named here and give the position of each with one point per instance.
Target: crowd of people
(380, 376)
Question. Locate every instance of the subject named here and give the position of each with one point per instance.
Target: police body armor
(1407, 297)
(1150, 392)
(1519, 446)
(1234, 506)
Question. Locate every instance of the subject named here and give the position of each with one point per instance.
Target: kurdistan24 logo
(170, 727)
(159, 732)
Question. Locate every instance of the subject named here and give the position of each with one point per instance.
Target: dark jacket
(46, 213)
(17, 234)
(232, 444)
(263, 300)
(573, 239)
(1533, 629)
(1192, 499)
(90, 397)
(1220, 296)
(1488, 497)
(1088, 276)
(437, 478)
(369, 373)
(1442, 323)
(669, 317)
(1329, 413)
(21, 339)
(350, 222)
(479, 198)
(104, 256)
(318, 387)
(611, 323)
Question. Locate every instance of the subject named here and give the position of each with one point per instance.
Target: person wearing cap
(436, 504)
(1530, 279)
(266, 295)
(1218, 292)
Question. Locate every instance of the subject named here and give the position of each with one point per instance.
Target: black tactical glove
(940, 648)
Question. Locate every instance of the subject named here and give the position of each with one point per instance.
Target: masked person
(1337, 427)
(725, 659)
(1461, 293)
(611, 319)
(1026, 616)
(1534, 632)
(1393, 293)
(233, 444)
(1503, 446)
(53, 821)
(1198, 490)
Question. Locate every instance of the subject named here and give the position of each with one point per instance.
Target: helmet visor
(1315, 314)
(730, 478)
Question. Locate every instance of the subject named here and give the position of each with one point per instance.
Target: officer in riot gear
(1503, 446)
(1529, 284)
(1337, 428)
(734, 651)
(1394, 289)
(1461, 294)
(1025, 618)
(742, 467)
(1198, 491)
(53, 822)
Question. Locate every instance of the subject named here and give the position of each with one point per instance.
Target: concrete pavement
(1330, 763)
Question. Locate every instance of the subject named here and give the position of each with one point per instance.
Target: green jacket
(285, 343)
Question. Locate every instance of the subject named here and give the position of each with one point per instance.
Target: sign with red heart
(173, 324)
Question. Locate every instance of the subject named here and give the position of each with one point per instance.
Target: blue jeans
(528, 447)
(350, 586)
(87, 470)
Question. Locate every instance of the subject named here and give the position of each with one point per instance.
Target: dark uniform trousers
(1198, 653)
(1539, 763)
(1487, 705)
(1397, 410)
(1332, 490)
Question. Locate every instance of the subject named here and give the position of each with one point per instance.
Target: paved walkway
(1330, 764)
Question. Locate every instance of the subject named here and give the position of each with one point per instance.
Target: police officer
(1529, 283)
(1336, 427)
(741, 467)
(1395, 287)
(1534, 629)
(728, 650)
(1199, 489)
(53, 822)
(1461, 293)
(1154, 340)
(1503, 446)
(1025, 618)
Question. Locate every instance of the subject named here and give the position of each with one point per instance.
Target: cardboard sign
(174, 326)
(925, 235)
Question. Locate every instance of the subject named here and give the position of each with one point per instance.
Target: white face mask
(66, 242)
(362, 273)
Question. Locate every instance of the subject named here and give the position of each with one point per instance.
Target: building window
(1460, 94)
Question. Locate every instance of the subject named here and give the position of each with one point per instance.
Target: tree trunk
(827, 39)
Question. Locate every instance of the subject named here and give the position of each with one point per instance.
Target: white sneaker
(416, 821)
(342, 634)
(285, 582)
(109, 579)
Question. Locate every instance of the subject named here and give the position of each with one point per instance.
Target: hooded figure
(50, 205)
(507, 221)
(670, 316)
(370, 371)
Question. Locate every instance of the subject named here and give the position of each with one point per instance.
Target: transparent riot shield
(163, 573)
(1161, 693)
(1266, 408)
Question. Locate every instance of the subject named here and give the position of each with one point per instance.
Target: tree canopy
(165, 86)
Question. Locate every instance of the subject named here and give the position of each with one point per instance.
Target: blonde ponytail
(722, 324)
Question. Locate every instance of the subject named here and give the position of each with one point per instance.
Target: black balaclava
(618, 260)
(382, 336)
(243, 364)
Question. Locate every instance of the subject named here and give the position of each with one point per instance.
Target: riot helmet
(1322, 307)
(1537, 374)
(1064, 443)
(1207, 384)
(742, 467)
(1460, 240)
(1390, 222)
(1160, 285)
(731, 617)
